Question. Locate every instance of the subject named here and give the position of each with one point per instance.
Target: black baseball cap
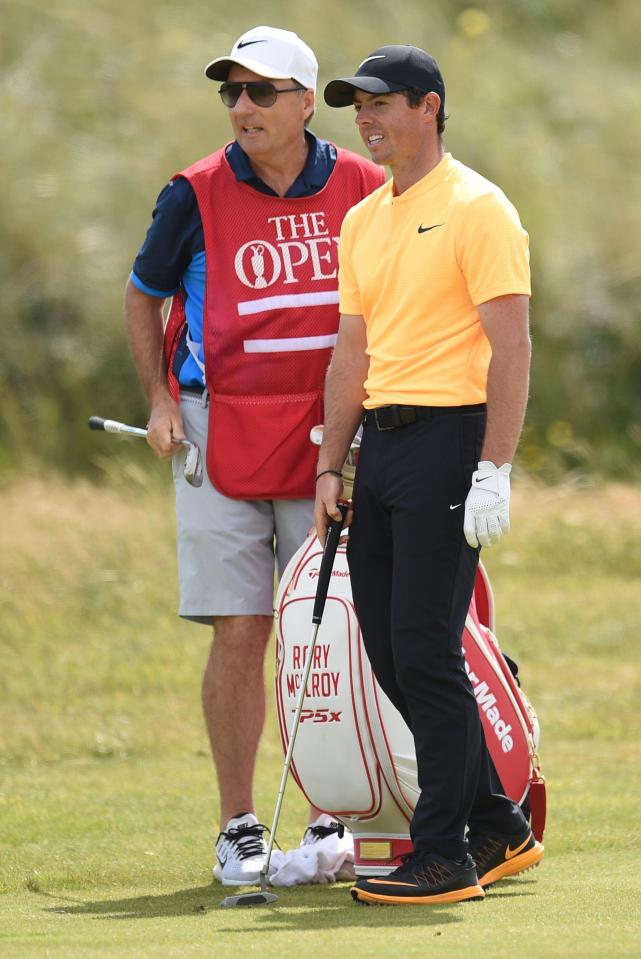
(389, 70)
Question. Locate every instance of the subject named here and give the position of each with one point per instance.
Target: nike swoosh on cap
(247, 43)
(380, 56)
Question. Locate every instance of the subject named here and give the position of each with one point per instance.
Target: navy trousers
(412, 575)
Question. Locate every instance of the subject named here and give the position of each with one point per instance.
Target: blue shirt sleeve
(174, 237)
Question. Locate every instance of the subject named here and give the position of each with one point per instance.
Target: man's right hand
(165, 430)
(328, 491)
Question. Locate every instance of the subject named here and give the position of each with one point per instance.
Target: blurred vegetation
(100, 103)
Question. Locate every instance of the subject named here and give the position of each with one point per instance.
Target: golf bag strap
(538, 805)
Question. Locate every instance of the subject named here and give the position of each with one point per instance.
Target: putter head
(193, 469)
(249, 899)
(261, 898)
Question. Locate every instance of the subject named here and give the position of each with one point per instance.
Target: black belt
(198, 390)
(393, 416)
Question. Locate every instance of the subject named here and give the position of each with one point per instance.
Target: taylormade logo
(487, 702)
(338, 573)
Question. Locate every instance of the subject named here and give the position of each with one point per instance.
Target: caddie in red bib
(270, 319)
(244, 242)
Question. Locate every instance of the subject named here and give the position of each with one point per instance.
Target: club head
(316, 435)
(249, 899)
(193, 469)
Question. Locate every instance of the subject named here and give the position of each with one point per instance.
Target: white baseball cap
(270, 52)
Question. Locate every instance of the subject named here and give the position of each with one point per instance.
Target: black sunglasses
(259, 92)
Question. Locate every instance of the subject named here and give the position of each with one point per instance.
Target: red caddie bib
(269, 322)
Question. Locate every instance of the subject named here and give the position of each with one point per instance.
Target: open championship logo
(301, 245)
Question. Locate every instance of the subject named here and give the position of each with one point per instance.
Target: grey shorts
(227, 548)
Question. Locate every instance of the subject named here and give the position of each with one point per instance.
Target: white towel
(321, 861)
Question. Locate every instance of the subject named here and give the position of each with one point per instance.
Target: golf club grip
(334, 531)
(96, 423)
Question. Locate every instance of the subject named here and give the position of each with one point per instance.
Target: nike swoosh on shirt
(247, 43)
(457, 506)
(424, 229)
(511, 853)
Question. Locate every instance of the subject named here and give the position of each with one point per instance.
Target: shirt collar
(313, 174)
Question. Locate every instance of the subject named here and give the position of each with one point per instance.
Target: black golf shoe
(425, 878)
(497, 856)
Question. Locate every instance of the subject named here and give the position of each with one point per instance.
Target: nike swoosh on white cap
(381, 56)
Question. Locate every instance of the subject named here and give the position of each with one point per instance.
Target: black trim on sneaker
(423, 878)
(248, 840)
(315, 833)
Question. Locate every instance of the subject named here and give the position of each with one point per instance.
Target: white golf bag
(354, 755)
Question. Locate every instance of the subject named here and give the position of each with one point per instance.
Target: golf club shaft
(290, 749)
(322, 586)
(113, 426)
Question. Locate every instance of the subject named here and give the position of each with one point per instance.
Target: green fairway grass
(107, 795)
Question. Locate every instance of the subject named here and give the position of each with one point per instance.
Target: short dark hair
(414, 97)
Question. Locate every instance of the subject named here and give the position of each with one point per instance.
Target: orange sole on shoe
(459, 895)
(512, 867)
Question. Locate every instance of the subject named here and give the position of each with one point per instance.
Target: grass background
(107, 795)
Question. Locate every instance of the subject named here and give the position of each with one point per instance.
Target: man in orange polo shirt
(434, 349)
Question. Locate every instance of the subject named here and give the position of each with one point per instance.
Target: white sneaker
(322, 828)
(241, 851)
(336, 840)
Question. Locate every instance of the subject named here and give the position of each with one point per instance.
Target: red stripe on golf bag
(483, 598)
(538, 804)
(354, 756)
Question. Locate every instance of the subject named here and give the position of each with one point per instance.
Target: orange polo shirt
(416, 266)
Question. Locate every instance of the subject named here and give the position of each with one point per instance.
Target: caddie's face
(392, 131)
(267, 133)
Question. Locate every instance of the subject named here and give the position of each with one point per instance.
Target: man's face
(268, 132)
(392, 131)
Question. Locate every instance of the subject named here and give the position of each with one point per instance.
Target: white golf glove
(487, 507)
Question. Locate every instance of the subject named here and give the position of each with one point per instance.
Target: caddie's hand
(487, 507)
(165, 429)
(328, 491)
